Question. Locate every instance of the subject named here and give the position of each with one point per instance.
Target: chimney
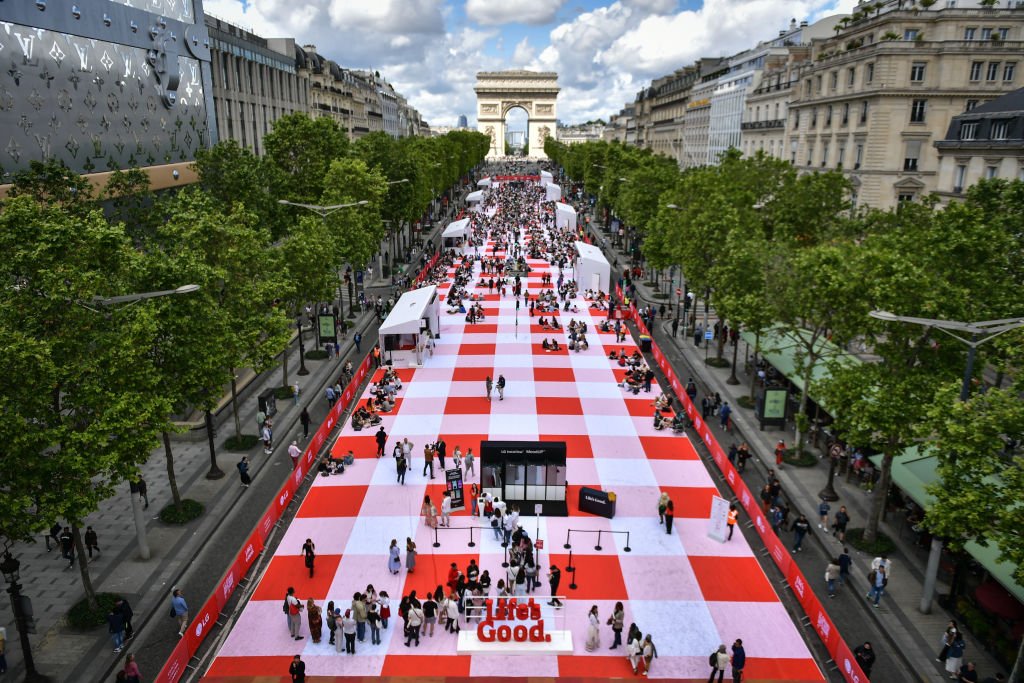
(309, 48)
(803, 24)
(792, 24)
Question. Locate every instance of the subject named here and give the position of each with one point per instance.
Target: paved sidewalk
(905, 640)
(65, 654)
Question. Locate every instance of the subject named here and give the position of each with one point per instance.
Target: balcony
(763, 125)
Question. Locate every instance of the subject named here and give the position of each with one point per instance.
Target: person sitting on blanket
(659, 421)
(545, 345)
(555, 346)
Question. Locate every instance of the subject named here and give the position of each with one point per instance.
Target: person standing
(131, 670)
(662, 506)
(616, 621)
(115, 627)
(670, 515)
(801, 527)
(634, 652)
(410, 555)
(554, 578)
(92, 541)
(294, 610)
(243, 472)
(305, 420)
(469, 463)
(358, 339)
(823, 510)
(268, 438)
(780, 453)
(297, 670)
(739, 661)
(948, 636)
(841, 519)
(67, 547)
(122, 606)
(501, 387)
(429, 512)
(428, 460)
(877, 580)
(649, 653)
(719, 660)
(732, 519)
(394, 557)
(831, 575)
(348, 629)
(593, 630)
(865, 656)
(331, 398)
(373, 619)
(442, 450)
(489, 385)
(954, 656)
(295, 453)
(845, 562)
(309, 555)
(179, 609)
(413, 622)
(382, 439)
(359, 614)
(402, 466)
(446, 509)
(315, 620)
(143, 492)
(723, 415)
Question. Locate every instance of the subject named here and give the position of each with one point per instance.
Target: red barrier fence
(819, 618)
(513, 178)
(206, 616)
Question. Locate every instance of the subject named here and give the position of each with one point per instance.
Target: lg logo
(282, 499)
(850, 673)
(200, 625)
(798, 586)
(249, 552)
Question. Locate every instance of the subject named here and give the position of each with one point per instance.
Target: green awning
(781, 349)
(912, 472)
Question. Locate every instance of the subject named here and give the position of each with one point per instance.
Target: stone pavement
(187, 555)
(906, 641)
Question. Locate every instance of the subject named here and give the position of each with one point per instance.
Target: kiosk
(552, 192)
(592, 269)
(483, 182)
(565, 215)
(410, 328)
(475, 199)
(455, 235)
(527, 473)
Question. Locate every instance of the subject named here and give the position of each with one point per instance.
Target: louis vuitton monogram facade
(105, 85)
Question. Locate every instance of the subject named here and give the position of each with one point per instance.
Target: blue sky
(604, 51)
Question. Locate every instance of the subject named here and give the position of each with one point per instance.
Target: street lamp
(9, 567)
(973, 334)
(132, 298)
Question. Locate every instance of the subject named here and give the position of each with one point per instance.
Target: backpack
(713, 660)
(872, 575)
(284, 608)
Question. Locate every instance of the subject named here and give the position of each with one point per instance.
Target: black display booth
(526, 473)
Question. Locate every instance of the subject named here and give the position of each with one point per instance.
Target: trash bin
(267, 403)
(645, 342)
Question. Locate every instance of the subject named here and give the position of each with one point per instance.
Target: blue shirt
(179, 605)
(739, 657)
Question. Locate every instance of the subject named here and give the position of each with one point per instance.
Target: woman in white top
(633, 652)
(593, 630)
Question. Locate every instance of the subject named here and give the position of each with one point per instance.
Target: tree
(356, 231)
(131, 203)
(98, 406)
(232, 174)
(301, 150)
(53, 184)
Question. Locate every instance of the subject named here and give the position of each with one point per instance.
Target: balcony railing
(763, 125)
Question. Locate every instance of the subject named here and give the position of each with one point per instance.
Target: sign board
(328, 327)
(453, 484)
(597, 502)
(718, 527)
(709, 334)
(774, 404)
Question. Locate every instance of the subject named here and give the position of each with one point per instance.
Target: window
(851, 76)
(993, 71)
(969, 131)
(1000, 130)
(869, 72)
(976, 70)
(814, 117)
(810, 154)
(912, 151)
(986, 34)
(1004, 33)
(792, 152)
(917, 72)
(859, 157)
(818, 82)
(917, 108)
(910, 34)
(971, 104)
(828, 116)
(904, 197)
(969, 33)
(991, 172)
(824, 153)
(864, 112)
(1008, 70)
(833, 80)
(840, 159)
(796, 121)
(846, 113)
(958, 178)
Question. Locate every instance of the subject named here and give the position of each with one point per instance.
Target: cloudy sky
(603, 51)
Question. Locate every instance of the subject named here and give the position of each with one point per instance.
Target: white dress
(593, 633)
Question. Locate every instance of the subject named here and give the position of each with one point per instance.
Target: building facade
(255, 83)
(583, 132)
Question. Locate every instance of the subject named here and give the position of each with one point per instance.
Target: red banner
(175, 666)
(202, 622)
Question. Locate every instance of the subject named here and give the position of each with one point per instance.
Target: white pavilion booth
(565, 215)
(483, 182)
(456, 235)
(592, 269)
(475, 199)
(546, 178)
(410, 327)
(553, 192)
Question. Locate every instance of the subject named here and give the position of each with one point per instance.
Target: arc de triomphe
(534, 91)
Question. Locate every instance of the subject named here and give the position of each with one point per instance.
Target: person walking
(428, 460)
(91, 541)
(359, 614)
(305, 420)
(954, 656)
(295, 453)
(501, 387)
(593, 630)
(122, 606)
(831, 575)
(441, 448)
(309, 555)
(330, 396)
(429, 512)
(394, 557)
(115, 627)
(489, 385)
(143, 492)
(131, 670)
(402, 465)
(554, 578)
(616, 621)
(634, 652)
(446, 509)
(841, 519)
(865, 656)
(800, 528)
(719, 661)
(739, 661)
(649, 653)
(297, 670)
(314, 620)
(845, 562)
(670, 514)
(382, 440)
(731, 520)
(358, 339)
(67, 547)
(293, 608)
(410, 555)
(348, 629)
(243, 472)
(823, 510)
(662, 506)
(724, 413)
(877, 580)
(55, 535)
(780, 453)
(179, 610)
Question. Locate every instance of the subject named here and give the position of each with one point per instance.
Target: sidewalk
(905, 640)
(188, 555)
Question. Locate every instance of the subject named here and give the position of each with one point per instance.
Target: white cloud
(524, 53)
(653, 6)
(494, 13)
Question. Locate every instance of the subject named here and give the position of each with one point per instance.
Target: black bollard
(573, 584)
(471, 543)
(627, 548)
(437, 543)
(567, 546)
(569, 567)
(598, 546)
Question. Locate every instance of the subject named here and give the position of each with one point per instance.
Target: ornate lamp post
(9, 567)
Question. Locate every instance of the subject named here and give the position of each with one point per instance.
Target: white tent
(477, 196)
(591, 269)
(554, 192)
(565, 215)
(455, 235)
(483, 182)
(410, 327)
(546, 177)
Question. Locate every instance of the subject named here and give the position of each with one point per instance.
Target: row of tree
(785, 252)
(91, 389)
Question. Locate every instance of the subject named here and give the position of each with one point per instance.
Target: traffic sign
(679, 292)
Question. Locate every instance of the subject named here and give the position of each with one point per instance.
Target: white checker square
(614, 472)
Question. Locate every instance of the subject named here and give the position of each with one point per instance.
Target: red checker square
(547, 331)
(416, 665)
(595, 313)
(576, 445)
(492, 310)
(538, 350)
(605, 580)
(619, 373)
(480, 328)
(694, 502)
(640, 406)
(553, 375)
(467, 405)
(572, 492)
(290, 570)
(436, 491)
(492, 297)
(795, 670)
(332, 501)
(558, 406)
(674, 447)
(593, 667)
(472, 374)
(361, 446)
(231, 668)
(470, 349)
(732, 579)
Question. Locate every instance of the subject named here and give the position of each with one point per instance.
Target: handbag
(172, 614)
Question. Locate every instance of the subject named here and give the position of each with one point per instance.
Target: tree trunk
(284, 358)
(753, 374)
(170, 469)
(234, 405)
(83, 567)
(801, 418)
(720, 346)
(881, 492)
(733, 379)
